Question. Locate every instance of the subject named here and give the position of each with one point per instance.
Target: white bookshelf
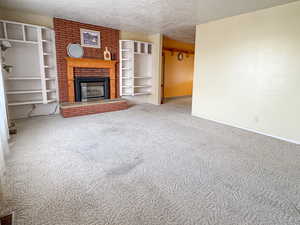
(136, 60)
(33, 79)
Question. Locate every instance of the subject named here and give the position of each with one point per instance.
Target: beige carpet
(149, 165)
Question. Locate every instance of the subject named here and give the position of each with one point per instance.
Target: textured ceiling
(174, 18)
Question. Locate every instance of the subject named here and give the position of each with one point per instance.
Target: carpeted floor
(149, 165)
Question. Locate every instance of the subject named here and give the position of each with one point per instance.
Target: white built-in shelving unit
(136, 67)
(33, 77)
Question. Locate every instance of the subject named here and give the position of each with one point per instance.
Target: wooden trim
(179, 50)
(90, 63)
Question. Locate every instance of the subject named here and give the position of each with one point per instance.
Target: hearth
(91, 88)
(84, 88)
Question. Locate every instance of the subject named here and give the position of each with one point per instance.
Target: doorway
(178, 69)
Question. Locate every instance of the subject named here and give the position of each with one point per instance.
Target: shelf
(51, 100)
(28, 78)
(30, 102)
(17, 92)
(140, 53)
(142, 86)
(25, 103)
(23, 92)
(50, 90)
(137, 77)
(50, 78)
(36, 83)
(23, 78)
(142, 77)
(19, 41)
(137, 86)
(142, 93)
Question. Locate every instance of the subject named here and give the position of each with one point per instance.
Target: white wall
(247, 71)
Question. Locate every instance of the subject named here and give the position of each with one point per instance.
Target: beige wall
(24, 17)
(247, 71)
(126, 35)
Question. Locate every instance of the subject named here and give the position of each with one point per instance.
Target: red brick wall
(66, 32)
(91, 72)
(93, 109)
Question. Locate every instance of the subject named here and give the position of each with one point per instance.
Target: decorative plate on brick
(75, 50)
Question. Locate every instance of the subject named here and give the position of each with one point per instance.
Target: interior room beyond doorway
(178, 68)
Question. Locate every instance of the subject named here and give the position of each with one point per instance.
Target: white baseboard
(251, 130)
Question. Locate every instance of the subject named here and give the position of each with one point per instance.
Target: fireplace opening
(91, 88)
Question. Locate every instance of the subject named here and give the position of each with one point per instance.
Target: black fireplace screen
(91, 88)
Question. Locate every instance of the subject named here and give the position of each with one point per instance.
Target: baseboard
(252, 130)
(176, 97)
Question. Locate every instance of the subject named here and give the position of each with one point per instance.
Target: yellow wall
(247, 71)
(178, 75)
(24, 17)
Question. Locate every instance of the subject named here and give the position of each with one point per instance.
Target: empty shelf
(25, 103)
(136, 77)
(50, 90)
(23, 78)
(136, 86)
(50, 78)
(51, 100)
(142, 93)
(17, 92)
(20, 41)
(141, 77)
(142, 86)
(30, 102)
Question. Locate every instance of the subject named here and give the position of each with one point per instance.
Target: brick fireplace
(94, 64)
(91, 65)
